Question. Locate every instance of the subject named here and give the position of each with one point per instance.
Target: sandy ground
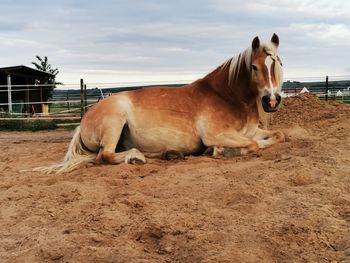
(288, 203)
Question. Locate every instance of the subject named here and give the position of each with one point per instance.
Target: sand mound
(307, 108)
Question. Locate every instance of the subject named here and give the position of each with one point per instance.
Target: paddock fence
(69, 102)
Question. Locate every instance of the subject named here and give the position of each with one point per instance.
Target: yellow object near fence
(45, 108)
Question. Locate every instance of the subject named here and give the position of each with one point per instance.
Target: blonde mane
(245, 58)
(236, 62)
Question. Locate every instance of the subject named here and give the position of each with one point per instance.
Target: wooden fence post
(81, 98)
(326, 88)
(68, 100)
(85, 99)
(9, 93)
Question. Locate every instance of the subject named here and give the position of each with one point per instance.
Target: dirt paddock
(288, 203)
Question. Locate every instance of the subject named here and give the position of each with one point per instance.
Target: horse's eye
(255, 67)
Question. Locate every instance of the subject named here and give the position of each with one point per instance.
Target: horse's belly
(156, 140)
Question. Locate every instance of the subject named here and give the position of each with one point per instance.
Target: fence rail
(72, 101)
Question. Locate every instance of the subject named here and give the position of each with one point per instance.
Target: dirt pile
(307, 108)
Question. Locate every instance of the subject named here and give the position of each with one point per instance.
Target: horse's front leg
(266, 138)
(234, 144)
(229, 143)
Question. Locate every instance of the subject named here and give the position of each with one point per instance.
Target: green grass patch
(27, 125)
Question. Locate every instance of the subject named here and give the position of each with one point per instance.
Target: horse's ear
(275, 40)
(255, 43)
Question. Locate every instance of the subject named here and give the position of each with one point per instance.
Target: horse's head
(266, 72)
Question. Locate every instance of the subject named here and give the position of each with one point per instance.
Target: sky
(146, 41)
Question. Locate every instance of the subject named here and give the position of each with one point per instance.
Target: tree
(43, 65)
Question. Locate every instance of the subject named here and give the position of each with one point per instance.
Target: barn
(23, 89)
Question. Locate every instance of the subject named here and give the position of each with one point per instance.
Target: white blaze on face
(268, 63)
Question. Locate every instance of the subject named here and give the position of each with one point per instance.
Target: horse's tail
(76, 155)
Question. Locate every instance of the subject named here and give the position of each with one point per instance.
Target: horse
(222, 111)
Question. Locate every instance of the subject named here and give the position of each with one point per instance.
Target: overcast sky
(130, 41)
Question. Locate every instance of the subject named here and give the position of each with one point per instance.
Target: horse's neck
(239, 89)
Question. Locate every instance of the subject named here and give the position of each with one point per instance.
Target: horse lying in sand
(222, 110)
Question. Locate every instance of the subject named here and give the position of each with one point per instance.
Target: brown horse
(221, 110)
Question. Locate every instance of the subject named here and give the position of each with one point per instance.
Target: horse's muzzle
(270, 105)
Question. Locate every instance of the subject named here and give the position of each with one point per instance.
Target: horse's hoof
(226, 152)
(280, 136)
(134, 156)
(136, 160)
(173, 155)
(209, 151)
(230, 152)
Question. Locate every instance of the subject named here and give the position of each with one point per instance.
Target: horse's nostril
(278, 98)
(265, 99)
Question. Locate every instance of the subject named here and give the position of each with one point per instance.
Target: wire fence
(71, 101)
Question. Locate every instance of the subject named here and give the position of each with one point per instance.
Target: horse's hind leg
(132, 156)
(109, 141)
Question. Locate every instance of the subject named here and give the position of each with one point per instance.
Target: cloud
(11, 27)
(158, 39)
(287, 9)
(331, 34)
